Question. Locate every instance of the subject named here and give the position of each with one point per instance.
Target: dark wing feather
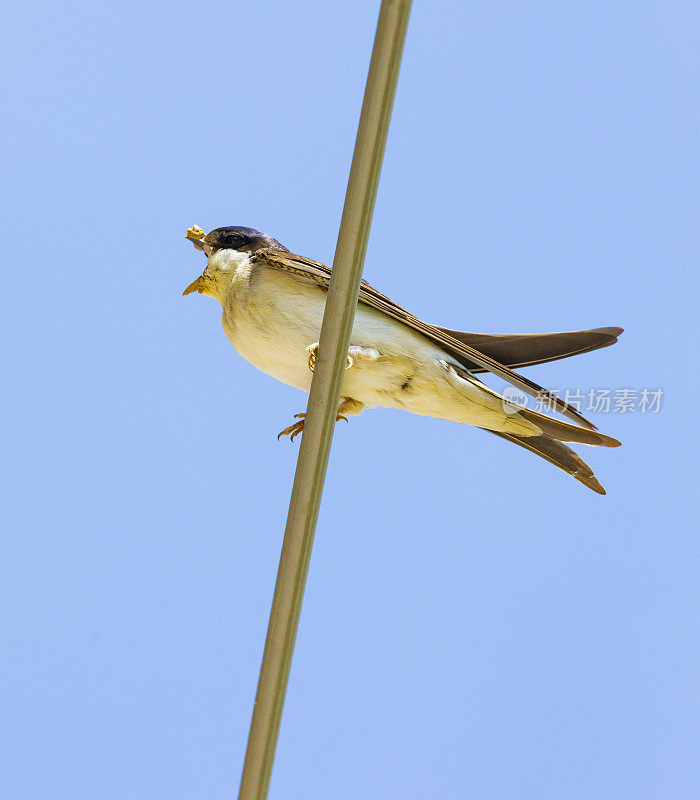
(526, 349)
(558, 454)
(320, 274)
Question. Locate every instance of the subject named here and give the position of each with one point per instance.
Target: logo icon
(513, 399)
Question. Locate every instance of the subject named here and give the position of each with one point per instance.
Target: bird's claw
(312, 350)
(297, 427)
(293, 429)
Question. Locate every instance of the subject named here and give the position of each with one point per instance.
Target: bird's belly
(273, 322)
(276, 352)
(280, 351)
(408, 374)
(271, 319)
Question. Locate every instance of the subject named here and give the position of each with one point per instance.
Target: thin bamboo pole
(324, 396)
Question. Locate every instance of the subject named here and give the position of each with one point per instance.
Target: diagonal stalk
(324, 396)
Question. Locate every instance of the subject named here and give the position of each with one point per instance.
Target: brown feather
(526, 349)
(558, 454)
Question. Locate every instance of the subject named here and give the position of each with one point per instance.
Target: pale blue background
(477, 624)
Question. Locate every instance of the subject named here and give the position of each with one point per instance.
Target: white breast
(271, 318)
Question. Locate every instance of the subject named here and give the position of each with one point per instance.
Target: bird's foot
(293, 429)
(312, 350)
(297, 427)
(354, 354)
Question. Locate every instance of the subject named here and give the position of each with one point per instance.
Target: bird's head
(225, 249)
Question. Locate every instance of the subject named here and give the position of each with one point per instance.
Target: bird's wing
(526, 349)
(319, 274)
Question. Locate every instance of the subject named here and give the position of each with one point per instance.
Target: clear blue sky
(477, 624)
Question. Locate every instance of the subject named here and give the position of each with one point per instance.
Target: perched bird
(273, 303)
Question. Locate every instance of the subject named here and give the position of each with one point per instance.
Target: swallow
(273, 302)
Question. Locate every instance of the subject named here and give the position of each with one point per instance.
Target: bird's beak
(196, 235)
(195, 286)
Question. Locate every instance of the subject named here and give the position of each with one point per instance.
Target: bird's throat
(221, 268)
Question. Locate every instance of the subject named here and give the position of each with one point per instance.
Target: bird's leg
(355, 353)
(347, 406)
(351, 407)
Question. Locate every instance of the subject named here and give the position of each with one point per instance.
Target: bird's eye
(230, 241)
